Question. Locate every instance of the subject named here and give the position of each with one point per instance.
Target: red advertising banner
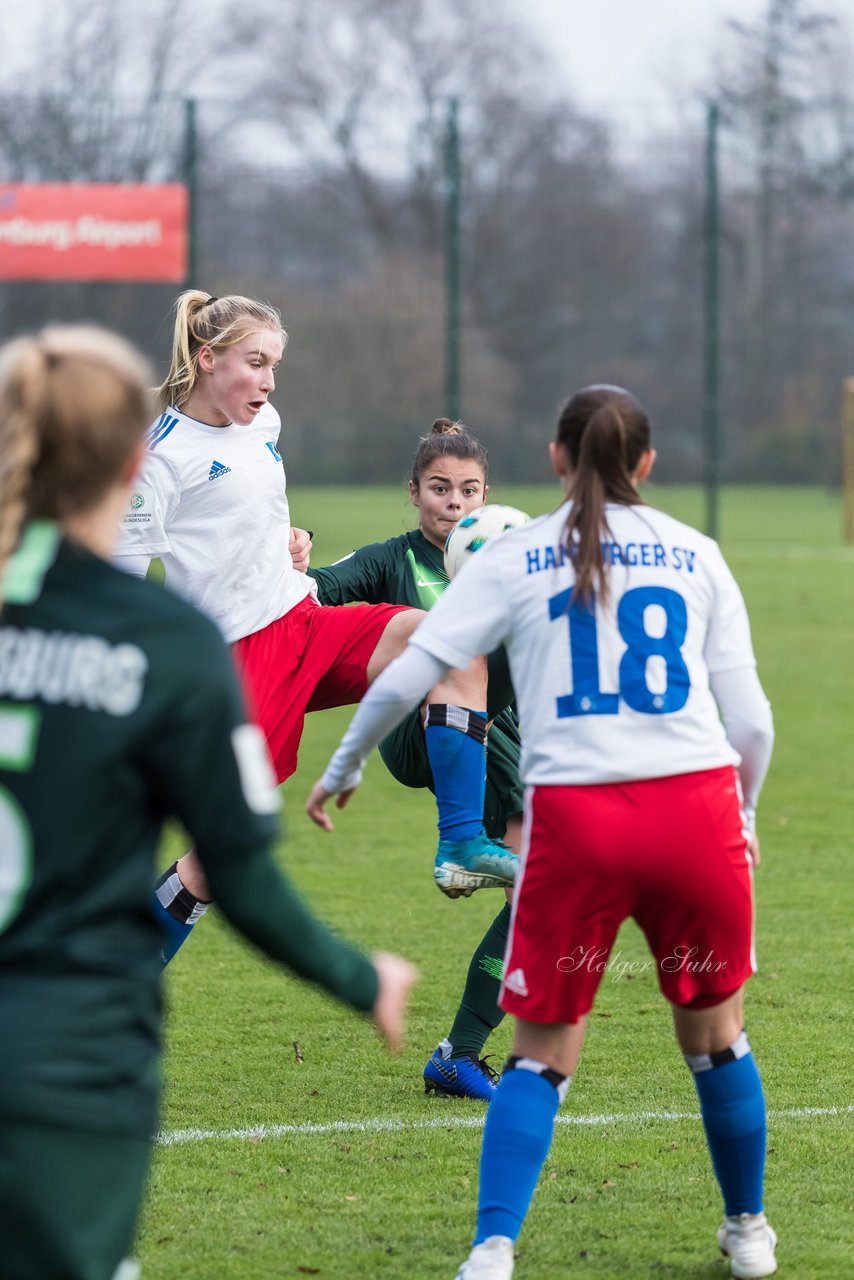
(93, 231)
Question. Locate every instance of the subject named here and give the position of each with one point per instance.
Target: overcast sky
(626, 51)
(608, 52)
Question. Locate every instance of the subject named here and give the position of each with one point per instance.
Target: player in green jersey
(449, 479)
(118, 708)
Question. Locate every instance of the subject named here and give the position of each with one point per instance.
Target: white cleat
(749, 1243)
(476, 863)
(491, 1260)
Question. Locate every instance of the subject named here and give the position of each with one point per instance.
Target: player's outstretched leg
(455, 726)
(457, 1068)
(467, 859)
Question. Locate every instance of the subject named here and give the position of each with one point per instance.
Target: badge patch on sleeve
(140, 506)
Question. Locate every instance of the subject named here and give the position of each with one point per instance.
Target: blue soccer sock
(176, 910)
(733, 1109)
(456, 749)
(516, 1141)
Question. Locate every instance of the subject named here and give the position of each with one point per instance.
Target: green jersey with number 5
(119, 707)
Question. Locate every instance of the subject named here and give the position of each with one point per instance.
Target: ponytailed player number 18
(662, 645)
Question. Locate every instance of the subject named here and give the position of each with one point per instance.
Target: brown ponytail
(605, 431)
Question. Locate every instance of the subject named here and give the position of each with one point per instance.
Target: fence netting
(582, 245)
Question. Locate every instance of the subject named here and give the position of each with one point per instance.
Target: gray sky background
(609, 53)
(625, 51)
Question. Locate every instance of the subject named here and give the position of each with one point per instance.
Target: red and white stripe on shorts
(669, 852)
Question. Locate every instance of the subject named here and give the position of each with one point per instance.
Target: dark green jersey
(404, 570)
(119, 707)
(410, 570)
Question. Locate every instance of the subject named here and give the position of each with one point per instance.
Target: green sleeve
(211, 771)
(262, 905)
(361, 576)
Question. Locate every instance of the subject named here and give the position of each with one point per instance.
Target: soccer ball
(469, 534)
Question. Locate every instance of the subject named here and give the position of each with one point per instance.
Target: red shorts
(313, 658)
(670, 852)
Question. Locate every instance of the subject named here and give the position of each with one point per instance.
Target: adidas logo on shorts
(515, 982)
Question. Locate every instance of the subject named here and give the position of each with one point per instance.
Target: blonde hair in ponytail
(205, 321)
(20, 444)
(74, 403)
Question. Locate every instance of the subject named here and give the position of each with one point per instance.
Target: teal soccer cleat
(477, 863)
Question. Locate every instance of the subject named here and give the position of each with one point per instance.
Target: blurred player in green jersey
(119, 707)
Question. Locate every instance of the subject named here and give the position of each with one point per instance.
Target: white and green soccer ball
(479, 526)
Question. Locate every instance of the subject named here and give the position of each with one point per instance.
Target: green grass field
(362, 1175)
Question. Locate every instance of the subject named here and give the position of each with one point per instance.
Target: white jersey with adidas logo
(619, 693)
(211, 503)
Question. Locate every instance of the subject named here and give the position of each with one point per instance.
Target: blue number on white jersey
(587, 699)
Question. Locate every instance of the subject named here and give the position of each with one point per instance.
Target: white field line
(172, 1137)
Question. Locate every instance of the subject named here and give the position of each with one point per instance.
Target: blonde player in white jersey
(210, 502)
(628, 641)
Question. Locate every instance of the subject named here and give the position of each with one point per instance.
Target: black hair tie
(210, 300)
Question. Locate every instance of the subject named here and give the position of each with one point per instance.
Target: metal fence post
(711, 325)
(848, 460)
(190, 181)
(452, 260)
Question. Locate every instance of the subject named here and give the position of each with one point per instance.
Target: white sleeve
(728, 644)
(394, 693)
(468, 620)
(137, 565)
(749, 726)
(152, 503)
